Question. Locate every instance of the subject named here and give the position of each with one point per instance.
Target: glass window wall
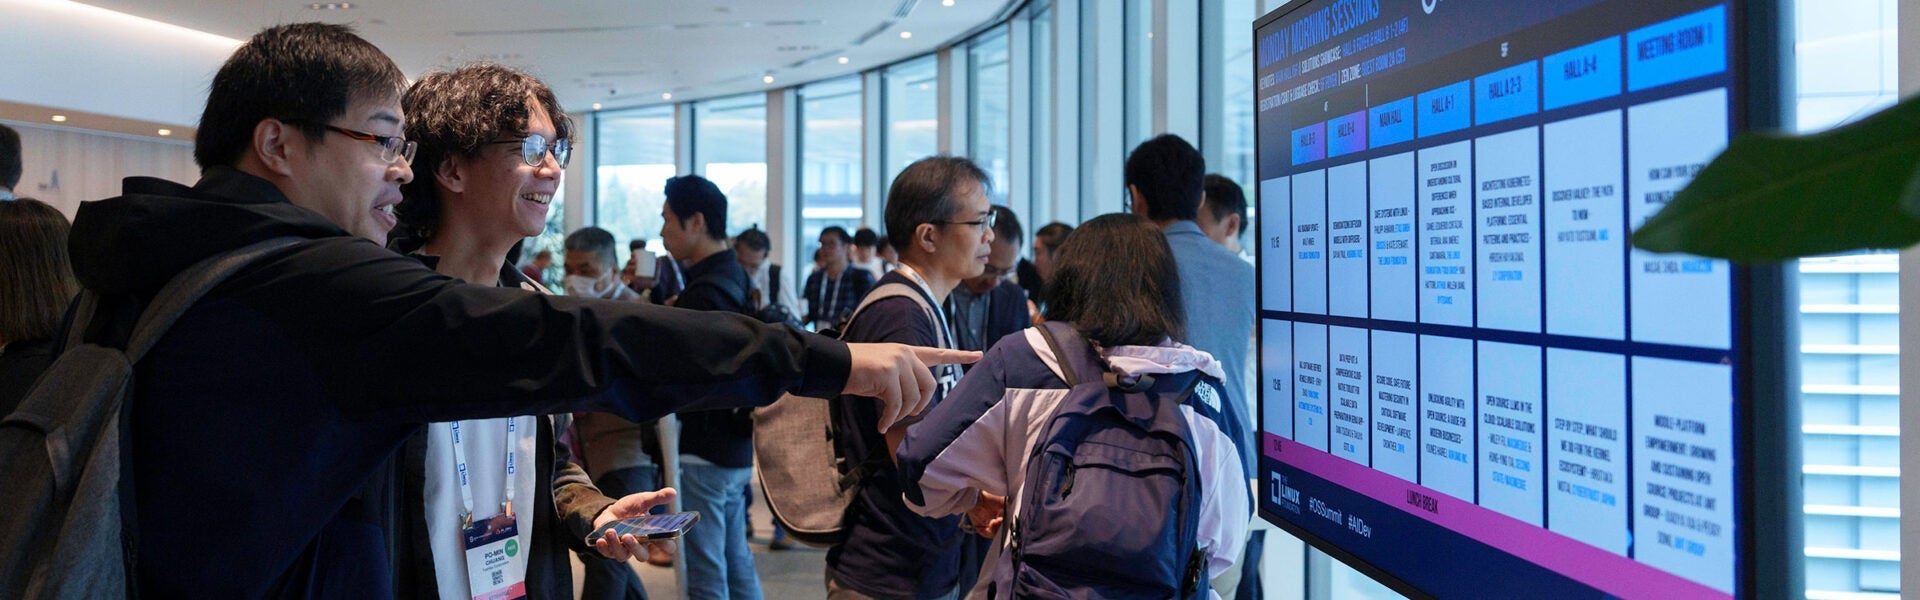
(912, 114)
(730, 149)
(633, 157)
(830, 166)
(988, 109)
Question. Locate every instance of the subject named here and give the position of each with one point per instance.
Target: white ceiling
(618, 52)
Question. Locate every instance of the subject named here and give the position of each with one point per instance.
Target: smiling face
(345, 179)
(503, 189)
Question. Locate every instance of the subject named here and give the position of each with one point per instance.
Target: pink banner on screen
(1605, 571)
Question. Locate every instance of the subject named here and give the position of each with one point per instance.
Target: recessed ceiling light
(596, 106)
(843, 60)
(946, 2)
(666, 96)
(166, 132)
(59, 118)
(767, 79)
(923, 87)
(906, 35)
(330, 5)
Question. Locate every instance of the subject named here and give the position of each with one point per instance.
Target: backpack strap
(1083, 364)
(186, 288)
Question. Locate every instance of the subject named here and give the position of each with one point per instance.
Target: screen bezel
(1768, 537)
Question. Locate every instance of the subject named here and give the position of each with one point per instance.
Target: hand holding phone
(650, 527)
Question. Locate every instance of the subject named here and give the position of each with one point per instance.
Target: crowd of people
(352, 414)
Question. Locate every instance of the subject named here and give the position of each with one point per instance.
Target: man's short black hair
(924, 193)
(1224, 198)
(1168, 172)
(838, 232)
(688, 195)
(457, 113)
(1052, 235)
(10, 167)
(1006, 225)
(754, 239)
(865, 238)
(594, 240)
(303, 72)
(637, 244)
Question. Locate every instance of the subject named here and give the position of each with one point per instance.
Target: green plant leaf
(1771, 197)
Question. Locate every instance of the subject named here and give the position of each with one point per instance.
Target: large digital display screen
(1472, 385)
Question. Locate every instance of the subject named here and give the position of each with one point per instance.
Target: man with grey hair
(590, 261)
(938, 216)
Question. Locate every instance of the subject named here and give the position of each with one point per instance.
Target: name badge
(496, 560)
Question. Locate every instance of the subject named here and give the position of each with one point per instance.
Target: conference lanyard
(940, 321)
(831, 298)
(460, 466)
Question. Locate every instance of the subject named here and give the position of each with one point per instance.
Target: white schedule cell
(1276, 243)
(1676, 299)
(1310, 421)
(1506, 226)
(1276, 370)
(1310, 242)
(1395, 413)
(1390, 196)
(1586, 447)
(1347, 351)
(1585, 227)
(1511, 471)
(1445, 175)
(1683, 469)
(1347, 240)
(1446, 415)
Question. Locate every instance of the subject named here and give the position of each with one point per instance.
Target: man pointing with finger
(257, 418)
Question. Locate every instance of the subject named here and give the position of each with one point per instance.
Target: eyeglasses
(986, 221)
(534, 149)
(391, 147)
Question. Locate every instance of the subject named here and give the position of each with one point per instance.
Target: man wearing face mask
(590, 261)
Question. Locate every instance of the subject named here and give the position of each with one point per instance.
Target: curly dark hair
(454, 113)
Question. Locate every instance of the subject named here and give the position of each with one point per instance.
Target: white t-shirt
(485, 443)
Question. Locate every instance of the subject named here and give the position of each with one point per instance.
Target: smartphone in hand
(650, 527)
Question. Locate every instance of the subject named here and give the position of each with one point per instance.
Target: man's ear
(451, 174)
(923, 237)
(697, 223)
(1139, 205)
(1233, 224)
(274, 144)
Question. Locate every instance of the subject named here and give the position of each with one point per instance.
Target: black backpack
(63, 450)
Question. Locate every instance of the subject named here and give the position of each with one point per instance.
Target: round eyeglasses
(534, 149)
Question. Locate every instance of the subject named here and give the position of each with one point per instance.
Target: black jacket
(722, 437)
(267, 406)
